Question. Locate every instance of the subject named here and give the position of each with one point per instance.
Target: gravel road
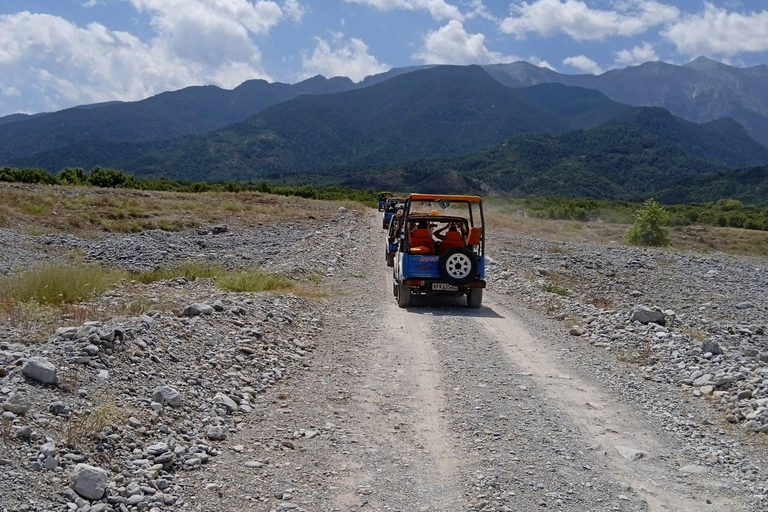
(441, 408)
(432, 408)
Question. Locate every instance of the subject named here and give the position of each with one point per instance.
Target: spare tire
(457, 266)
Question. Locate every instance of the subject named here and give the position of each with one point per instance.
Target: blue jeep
(391, 207)
(441, 248)
(383, 200)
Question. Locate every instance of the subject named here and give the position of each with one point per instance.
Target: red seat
(420, 237)
(452, 239)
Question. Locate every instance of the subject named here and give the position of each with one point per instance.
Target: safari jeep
(392, 206)
(383, 200)
(393, 238)
(441, 248)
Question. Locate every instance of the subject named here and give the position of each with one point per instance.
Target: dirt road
(442, 408)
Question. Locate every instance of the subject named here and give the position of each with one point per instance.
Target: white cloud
(438, 9)
(479, 10)
(576, 19)
(541, 63)
(637, 55)
(583, 64)
(451, 44)
(293, 9)
(195, 42)
(338, 59)
(717, 31)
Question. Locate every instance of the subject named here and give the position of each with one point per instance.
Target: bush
(648, 228)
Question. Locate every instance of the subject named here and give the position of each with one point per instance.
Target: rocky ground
(557, 394)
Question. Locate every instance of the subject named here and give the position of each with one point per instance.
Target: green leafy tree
(648, 228)
(69, 176)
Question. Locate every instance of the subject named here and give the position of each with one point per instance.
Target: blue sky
(57, 54)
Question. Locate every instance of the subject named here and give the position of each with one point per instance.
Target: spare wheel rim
(458, 266)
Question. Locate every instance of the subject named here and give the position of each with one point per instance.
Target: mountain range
(513, 128)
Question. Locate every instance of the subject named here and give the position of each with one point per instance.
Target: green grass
(252, 280)
(56, 284)
(247, 280)
(555, 288)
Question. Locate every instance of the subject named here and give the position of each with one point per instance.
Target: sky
(56, 54)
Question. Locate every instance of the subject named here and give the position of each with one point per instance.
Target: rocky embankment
(694, 327)
(118, 415)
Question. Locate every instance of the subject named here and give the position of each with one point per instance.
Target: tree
(648, 228)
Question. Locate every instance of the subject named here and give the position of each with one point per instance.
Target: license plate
(443, 287)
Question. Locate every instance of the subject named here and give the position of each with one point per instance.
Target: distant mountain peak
(704, 63)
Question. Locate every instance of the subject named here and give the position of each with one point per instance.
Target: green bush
(648, 228)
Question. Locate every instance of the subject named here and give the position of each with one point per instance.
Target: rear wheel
(475, 297)
(403, 295)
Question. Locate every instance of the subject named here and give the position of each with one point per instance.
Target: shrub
(74, 176)
(648, 228)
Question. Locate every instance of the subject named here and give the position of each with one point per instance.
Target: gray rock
(50, 463)
(694, 469)
(711, 346)
(197, 309)
(228, 403)
(48, 449)
(744, 305)
(703, 380)
(646, 315)
(166, 395)
(89, 481)
(59, 409)
(157, 449)
(17, 404)
(222, 228)
(216, 433)
(40, 369)
(631, 453)
(576, 331)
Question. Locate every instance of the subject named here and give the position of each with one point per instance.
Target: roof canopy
(438, 197)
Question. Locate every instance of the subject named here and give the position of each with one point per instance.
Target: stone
(222, 228)
(166, 395)
(576, 331)
(216, 433)
(40, 369)
(631, 453)
(703, 380)
(48, 449)
(50, 463)
(59, 409)
(228, 403)
(89, 481)
(711, 346)
(744, 305)
(17, 404)
(197, 309)
(157, 448)
(646, 315)
(694, 469)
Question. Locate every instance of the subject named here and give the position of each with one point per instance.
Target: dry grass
(79, 429)
(686, 238)
(81, 210)
(57, 283)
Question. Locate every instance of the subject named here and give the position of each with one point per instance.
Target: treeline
(113, 178)
(722, 213)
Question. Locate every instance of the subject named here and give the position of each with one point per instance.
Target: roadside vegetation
(113, 178)
(649, 227)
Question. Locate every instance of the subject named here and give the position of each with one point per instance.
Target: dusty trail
(442, 408)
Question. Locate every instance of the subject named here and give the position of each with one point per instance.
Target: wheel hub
(458, 266)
